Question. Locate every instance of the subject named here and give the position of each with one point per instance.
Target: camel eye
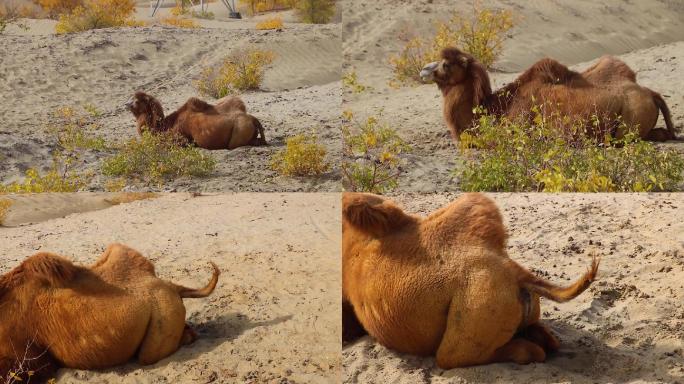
(445, 66)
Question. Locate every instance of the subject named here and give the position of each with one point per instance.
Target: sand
(627, 328)
(42, 72)
(274, 316)
(647, 35)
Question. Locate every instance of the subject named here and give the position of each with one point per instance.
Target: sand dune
(647, 35)
(627, 328)
(301, 92)
(274, 316)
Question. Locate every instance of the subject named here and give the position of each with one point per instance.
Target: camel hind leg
(481, 323)
(166, 330)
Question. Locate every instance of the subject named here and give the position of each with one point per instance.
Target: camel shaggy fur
(444, 285)
(55, 313)
(226, 125)
(607, 90)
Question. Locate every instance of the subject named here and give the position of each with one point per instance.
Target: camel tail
(202, 292)
(660, 102)
(259, 135)
(557, 293)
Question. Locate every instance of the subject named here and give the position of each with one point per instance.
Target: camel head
(147, 110)
(458, 68)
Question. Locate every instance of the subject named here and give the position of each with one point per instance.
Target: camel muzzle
(428, 71)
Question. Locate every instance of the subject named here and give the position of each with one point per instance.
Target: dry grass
(5, 204)
(179, 22)
(129, 197)
(271, 23)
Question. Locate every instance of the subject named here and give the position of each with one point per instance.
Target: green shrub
(482, 35)
(541, 155)
(154, 158)
(315, 11)
(374, 151)
(241, 71)
(302, 156)
(75, 130)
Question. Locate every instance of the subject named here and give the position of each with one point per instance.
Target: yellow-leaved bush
(95, 14)
(241, 71)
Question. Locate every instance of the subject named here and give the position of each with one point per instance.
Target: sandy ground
(647, 35)
(627, 328)
(41, 72)
(274, 316)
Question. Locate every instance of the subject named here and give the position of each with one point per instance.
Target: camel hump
(121, 254)
(50, 268)
(198, 105)
(549, 70)
(202, 292)
(371, 213)
(559, 294)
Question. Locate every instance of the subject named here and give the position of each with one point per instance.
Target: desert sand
(42, 71)
(628, 327)
(647, 35)
(274, 317)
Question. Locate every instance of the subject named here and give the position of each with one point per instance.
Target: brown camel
(607, 90)
(224, 126)
(443, 285)
(57, 314)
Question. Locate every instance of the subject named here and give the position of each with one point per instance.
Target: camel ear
(372, 213)
(463, 61)
(50, 268)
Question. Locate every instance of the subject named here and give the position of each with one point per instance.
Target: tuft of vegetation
(96, 14)
(302, 156)
(481, 34)
(540, 155)
(241, 71)
(11, 11)
(350, 81)
(179, 22)
(315, 11)
(207, 15)
(154, 158)
(270, 23)
(5, 205)
(374, 150)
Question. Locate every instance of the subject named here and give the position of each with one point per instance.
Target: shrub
(75, 130)
(203, 15)
(375, 151)
(351, 82)
(54, 8)
(540, 156)
(302, 156)
(55, 180)
(241, 71)
(4, 208)
(95, 14)
(154, 158)
(315, 11)
(272, 23)
(258, 6)
(179, 22)
(482, 35)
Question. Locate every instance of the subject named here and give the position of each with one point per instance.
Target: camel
(57, 314)
(226, 125)
(443, 284)
(607, 90)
